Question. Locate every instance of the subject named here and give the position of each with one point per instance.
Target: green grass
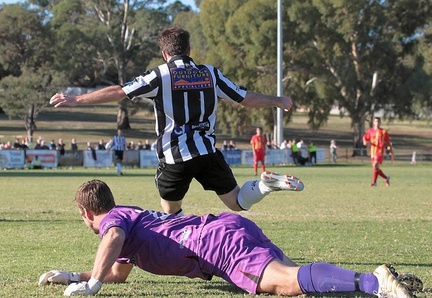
(338, 218)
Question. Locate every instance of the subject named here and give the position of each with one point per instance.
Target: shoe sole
(411, 282)
(294, 183)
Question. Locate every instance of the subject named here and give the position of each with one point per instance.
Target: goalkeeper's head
(94, 196)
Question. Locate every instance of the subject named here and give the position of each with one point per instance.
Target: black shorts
(211, 171)
(118, 155)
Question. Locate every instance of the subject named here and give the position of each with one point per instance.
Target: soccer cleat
(373, 184)
(388, 181)
(278, 182)
(388, 284)
(411, 282)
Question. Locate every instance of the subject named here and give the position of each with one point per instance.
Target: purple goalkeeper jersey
(227, 245)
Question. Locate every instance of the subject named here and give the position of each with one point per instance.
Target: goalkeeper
(227, 245)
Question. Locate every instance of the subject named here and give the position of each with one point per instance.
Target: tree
(23, 39)
(241, 40)
(119, 18)
(26, 96)
(354, 54)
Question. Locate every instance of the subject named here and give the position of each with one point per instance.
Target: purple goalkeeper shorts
(235, 249)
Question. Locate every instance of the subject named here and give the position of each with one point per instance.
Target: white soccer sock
(119, 168)
(251, 193)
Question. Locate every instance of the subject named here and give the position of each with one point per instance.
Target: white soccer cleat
(388, 284)
(278, 182)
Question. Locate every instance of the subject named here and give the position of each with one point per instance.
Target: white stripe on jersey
(168, 108)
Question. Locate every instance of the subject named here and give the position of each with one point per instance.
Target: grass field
(338, 218)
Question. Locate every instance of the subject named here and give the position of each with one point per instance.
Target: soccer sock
(255, 168)
(119, 169)
(381, 173)
(251, 193)
(375, 175)
(328, 278)
(263, 167)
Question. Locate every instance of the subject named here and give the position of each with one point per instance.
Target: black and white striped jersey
(185, 98)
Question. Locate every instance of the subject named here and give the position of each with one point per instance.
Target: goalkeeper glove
(83, 288)
(59, 277)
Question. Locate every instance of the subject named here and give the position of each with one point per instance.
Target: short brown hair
(174, 40)
(95, 196)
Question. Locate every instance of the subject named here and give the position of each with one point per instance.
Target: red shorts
(378, 159)
(259, 155)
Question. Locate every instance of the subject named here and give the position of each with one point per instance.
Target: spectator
(36, 163)
(43, 146)
(52, 145)
(17, 145)
(284, 145)
(7, 146)
(130, 146)
(61, 147)
(312, 153)
(225, 146)
(140, 146)
(232, 145)
(147, 145)
(74, 146)
(303, 154)
(37, 146)
(24, 144)
(101, 145)
(92, 149)
(295, 152)
(333, 151)
(108, 145)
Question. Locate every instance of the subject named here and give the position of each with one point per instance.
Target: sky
(191, 3)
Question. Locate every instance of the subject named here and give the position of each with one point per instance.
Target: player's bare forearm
(108, 94)
(117, 274)
(108, 252)
(259, 100)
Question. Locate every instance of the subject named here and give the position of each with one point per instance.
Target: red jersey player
(379, 139)
(258, 142)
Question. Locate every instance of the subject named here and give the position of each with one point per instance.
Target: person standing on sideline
(259, 144)
(379, 139)
(74, 146)
(185, 97)
(312, 153)
(225, 245)
(119, 146)
(333, 151)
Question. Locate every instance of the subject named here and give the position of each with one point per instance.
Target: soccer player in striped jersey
(119, 145)
(185, 97)
(379, 139)
(226, 245)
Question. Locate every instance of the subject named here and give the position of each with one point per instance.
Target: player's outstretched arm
(259, 100)
(108, 94)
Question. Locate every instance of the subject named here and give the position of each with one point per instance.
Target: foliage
(26, 96)
(355, 53)
(24, 40)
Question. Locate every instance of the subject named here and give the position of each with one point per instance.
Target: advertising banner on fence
(148, 158)
(97, 158)
(10, 159)
(48, 158)
(232, 157)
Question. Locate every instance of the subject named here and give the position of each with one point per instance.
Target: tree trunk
(122, 115)
(30, 123)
